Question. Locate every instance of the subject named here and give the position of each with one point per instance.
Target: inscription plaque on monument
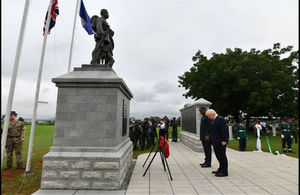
(189, 120)
(124, 122)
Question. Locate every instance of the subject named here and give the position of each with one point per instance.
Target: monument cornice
(92, 76)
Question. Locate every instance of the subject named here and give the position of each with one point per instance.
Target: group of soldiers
(285, 130)
(145, 132)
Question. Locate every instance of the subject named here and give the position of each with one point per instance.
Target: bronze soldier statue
(103, 52)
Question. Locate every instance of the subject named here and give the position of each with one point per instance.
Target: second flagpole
(73, 33)
(37, 92)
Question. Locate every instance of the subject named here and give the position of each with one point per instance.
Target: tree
(258, 83)
(21, 119)
(156, 119)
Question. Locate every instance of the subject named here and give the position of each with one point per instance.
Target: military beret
(13, 113)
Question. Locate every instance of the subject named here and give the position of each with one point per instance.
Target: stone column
(190, 124)
(91, 148)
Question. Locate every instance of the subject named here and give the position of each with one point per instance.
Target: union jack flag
(54, 13)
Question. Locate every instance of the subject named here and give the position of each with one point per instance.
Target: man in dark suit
(204, 137)
(219, 139)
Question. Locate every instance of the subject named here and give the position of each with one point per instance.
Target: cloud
(143, 95)
(166, 87)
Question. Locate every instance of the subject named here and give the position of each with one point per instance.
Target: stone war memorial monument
(190, 120)
(91, 148)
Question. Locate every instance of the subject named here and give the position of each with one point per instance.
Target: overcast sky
(154, 44)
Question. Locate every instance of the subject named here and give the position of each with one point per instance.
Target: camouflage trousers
(11, 145)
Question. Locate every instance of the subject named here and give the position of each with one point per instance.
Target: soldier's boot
(134, 147)
(244, 145)
(20, 166)
(289, 144)
(8, 167)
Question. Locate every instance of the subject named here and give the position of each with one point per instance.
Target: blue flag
(85, 19)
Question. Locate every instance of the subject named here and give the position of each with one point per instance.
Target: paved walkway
(249, 173)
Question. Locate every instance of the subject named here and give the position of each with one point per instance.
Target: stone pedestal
(190, 124)
(91, 148)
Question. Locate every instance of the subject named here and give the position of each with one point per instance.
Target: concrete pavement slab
(249, 173)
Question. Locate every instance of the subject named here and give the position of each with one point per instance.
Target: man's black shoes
(221, 175)
(205, 165)
(214, 172)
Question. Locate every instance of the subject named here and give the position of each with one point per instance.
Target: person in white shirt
(162, 127)
(258, 143)
(263, 125)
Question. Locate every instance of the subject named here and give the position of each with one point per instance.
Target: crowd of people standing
(145, 133)
(286, 128)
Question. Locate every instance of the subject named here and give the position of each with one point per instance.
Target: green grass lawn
(14, 183)
(275, 143)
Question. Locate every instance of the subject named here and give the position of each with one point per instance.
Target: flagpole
(13, 81)
(38, 89)
(74, 24)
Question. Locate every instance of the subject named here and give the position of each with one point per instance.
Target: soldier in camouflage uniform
(294, 128)
(154, 133)
(15, 138)
(286, 136)
(137, 136)
(131, 131)
(174, 129)
(145, 129)
(241, 135)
